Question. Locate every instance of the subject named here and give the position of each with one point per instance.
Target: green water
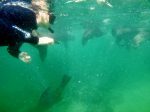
(104, 76)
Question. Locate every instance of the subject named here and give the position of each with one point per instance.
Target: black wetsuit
(16, 25)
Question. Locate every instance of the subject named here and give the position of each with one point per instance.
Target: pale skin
(42, 18)
(42, 15)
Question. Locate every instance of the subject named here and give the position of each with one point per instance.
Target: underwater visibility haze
(102, 63)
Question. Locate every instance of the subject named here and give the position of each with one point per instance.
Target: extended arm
(20, 36)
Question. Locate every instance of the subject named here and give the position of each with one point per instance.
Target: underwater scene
(101, 64)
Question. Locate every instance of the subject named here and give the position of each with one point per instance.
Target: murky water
(105, 77)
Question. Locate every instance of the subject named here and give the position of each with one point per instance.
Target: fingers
(23, 56)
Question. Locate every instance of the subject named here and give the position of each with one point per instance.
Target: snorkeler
(18, 21)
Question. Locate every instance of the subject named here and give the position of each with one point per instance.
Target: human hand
(23, 56)
(46, 41)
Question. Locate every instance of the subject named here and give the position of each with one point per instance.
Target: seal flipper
(49, 98)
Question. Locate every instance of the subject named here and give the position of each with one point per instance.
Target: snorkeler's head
(42, 13)
(43, 16)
